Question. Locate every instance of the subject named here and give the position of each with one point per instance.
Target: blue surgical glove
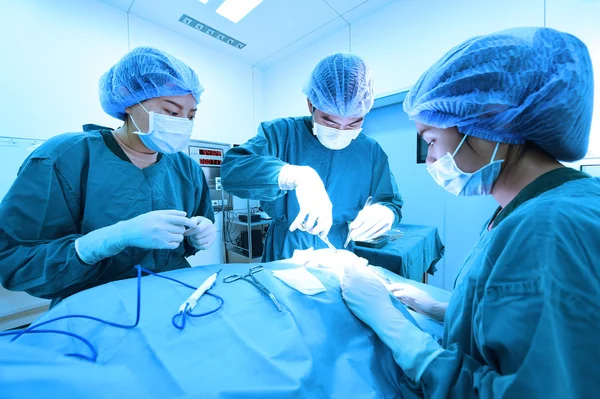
(369, 299)
(152, 230)
(373, 221)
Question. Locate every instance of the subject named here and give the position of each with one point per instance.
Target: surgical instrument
(249, 278)
(369, 201)
(186, 307)
(325, 239)
(192, 301)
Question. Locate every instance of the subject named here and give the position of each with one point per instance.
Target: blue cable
(33, 328)
(70, 334)
(187, 312)
(137, 319)
(183, 318)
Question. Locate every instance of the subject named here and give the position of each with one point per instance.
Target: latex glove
(315, 206)
(152, 230)
(332, 261)
(369, 299)
(364, 292)
(419, 300)
(203, 235)
(373, 221)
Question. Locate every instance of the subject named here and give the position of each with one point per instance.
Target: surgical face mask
(334, 139)
(166, 134)
(447, 174)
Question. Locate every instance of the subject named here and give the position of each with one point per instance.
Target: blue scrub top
(523, 321)
(350, 176)
(79, 182)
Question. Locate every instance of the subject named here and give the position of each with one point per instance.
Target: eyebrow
(337, 123)
(179, 105)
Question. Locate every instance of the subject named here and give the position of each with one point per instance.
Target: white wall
(259, 99)
(404, 39)
(55, 52)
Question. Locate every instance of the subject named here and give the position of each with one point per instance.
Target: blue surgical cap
(514, 86)
(142, 74)
(341, 85)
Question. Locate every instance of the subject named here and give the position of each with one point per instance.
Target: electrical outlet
(219, 202)
(218, 185)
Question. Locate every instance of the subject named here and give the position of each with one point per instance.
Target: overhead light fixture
(212, 32)
(235, 10)
(203, 1)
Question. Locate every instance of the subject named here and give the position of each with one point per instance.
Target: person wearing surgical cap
(498, 113)
(87, 207)
(314, 174)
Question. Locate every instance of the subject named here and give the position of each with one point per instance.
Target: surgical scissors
(249, 278)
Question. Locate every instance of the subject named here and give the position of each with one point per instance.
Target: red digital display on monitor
(210, 153)
(204, 161)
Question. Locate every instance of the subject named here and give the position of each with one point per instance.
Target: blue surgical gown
(350, 176)
(73, 184)
(523, 320)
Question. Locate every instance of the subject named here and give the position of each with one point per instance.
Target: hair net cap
(341, 85)
(513, 86)
(142, 74)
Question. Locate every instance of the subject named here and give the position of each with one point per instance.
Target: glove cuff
(291, 176)
(97, 245)
(286, 179)
(413, 349)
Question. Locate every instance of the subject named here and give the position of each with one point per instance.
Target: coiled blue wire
(33, 329)
(183, 315)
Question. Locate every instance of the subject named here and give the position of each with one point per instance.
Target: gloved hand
(203, 235)
(419, 300)
(364, 292)
(315, 206)
(373, 221)
(332, 261)
(369, 299)
(152, 230)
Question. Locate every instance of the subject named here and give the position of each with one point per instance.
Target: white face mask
(448, 175)
(166, 134)
(334, 139)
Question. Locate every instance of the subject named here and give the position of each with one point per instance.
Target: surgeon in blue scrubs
(314, 174)
(87, 207)
(498, 113)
